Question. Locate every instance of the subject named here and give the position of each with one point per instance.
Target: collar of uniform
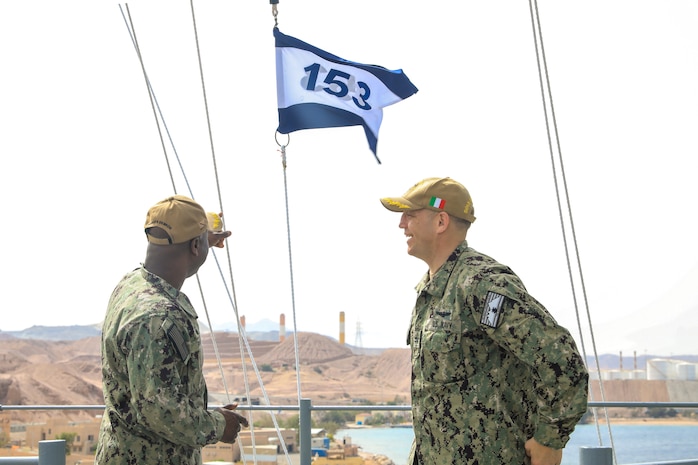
(437, 284)
(175, 295)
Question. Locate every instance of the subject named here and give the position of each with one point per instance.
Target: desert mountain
(35, 372)
(329, 371)
(41, 372)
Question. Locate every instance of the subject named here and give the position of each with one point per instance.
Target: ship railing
(588, 455)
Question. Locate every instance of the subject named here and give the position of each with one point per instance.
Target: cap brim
(398, 204)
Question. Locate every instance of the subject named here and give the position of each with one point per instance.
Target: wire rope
(282, 149)
(134, 40)
(290, 265)
(154, 100)
(545, 84)
(232, 298)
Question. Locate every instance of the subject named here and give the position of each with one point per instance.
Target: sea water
(631, 443)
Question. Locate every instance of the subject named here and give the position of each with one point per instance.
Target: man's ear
(195, 246)
(444, 220)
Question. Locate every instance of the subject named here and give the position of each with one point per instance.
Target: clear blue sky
(82, 160)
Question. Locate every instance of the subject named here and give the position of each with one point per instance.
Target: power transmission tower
(358, 343)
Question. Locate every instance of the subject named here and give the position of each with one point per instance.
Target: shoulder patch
(175, 336)
(494, 303)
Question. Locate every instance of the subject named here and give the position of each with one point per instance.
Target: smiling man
(494, 378)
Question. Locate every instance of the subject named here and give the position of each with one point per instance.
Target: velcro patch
(493, 309)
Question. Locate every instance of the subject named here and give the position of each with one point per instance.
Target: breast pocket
(441, 350)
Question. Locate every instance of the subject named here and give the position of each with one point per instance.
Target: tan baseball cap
(438, 194)
(180, 217)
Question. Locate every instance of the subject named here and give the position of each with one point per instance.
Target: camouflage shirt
(154, 388)
(490, 367)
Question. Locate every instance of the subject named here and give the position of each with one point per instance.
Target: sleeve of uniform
(526, 329)
(161, 403)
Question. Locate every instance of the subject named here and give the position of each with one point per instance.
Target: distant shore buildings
(659, 369)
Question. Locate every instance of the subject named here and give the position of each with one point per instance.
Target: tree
(661, 412)
(376, 419)
(69, 440)
(292, 422)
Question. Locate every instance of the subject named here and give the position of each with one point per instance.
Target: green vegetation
(332, 420)
(265, 420)
(293, 422)
(69, 440)
(661, 412)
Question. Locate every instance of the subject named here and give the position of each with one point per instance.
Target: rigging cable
(282, 149)
(242, 335)
(545, 84)
(134, 40)
(227, 249)
(159, 113)
(154, 101)
(242, 339)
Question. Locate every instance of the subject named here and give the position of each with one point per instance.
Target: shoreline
(601, 420)
(649, 421)
(371, 458)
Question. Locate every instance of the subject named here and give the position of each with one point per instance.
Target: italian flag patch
(437, 203)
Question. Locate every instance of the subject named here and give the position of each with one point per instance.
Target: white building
(668, 369)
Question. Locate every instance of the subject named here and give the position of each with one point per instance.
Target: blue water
(632, 443)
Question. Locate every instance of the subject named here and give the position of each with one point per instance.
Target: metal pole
(595, 455)
(52, 452)
(304, 439)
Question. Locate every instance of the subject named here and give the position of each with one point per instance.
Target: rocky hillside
(35, 372)
(329, 372)
(39, 372)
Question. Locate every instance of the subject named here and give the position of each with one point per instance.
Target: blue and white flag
(316, 89)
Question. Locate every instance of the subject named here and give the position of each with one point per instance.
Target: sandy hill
(329, 372)
(34, 372)
(37, 372)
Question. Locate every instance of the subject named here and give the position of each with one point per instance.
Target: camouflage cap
(438, 194)
(180, 217)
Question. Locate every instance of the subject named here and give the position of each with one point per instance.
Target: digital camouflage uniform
(490, 367)
(154, 388)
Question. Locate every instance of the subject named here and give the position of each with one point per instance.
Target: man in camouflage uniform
(495, 380)
(154, 388)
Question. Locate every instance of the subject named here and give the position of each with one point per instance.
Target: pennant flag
(316, 89)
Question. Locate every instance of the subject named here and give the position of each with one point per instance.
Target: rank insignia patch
(493, 309)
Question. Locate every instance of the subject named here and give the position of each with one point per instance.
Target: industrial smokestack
(621, 360)
(282, 327)
(341, 328)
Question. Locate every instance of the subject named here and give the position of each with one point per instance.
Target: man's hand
(542, 455)
(217, 238)
(233, 423)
